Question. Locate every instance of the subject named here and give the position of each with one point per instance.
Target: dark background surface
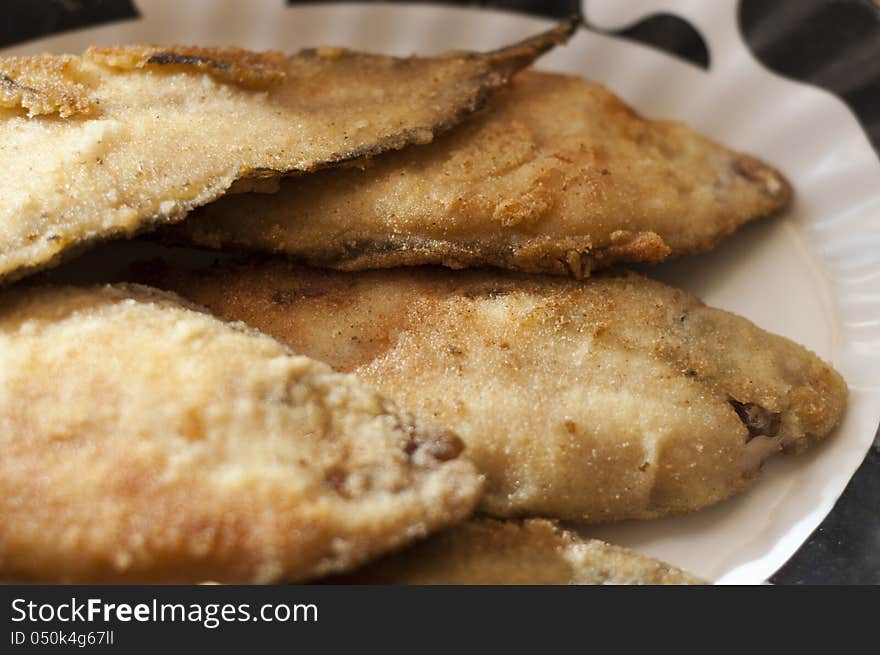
(833, 44)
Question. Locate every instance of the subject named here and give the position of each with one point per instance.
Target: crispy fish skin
(610, 398)
(556, 176)
(122, 139)
(147, 442)
(532, 552)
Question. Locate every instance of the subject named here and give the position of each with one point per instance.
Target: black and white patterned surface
(832, 44)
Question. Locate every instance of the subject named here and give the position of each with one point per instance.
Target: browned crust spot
(434, 443)
(770, 181)
(759, 421)
(245, 68)
(638, 247)
(42, 85)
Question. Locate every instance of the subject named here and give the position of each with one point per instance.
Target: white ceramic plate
(812, 275)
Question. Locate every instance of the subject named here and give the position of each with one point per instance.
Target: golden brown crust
(144, 441)
(171, 129)
(234, 65)
(45, 84)
(534, 552)
(616, 397)
(556, 176)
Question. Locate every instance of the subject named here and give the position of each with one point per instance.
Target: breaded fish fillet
(533, 552)
(110, 143)
(145, 441)
(611, 398)
(557, 176)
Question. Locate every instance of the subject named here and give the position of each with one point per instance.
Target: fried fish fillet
(610, 398)
(110, 143)
(145, 441)
(533, 552)
(557, 175)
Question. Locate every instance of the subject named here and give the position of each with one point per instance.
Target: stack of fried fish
(416, 322)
